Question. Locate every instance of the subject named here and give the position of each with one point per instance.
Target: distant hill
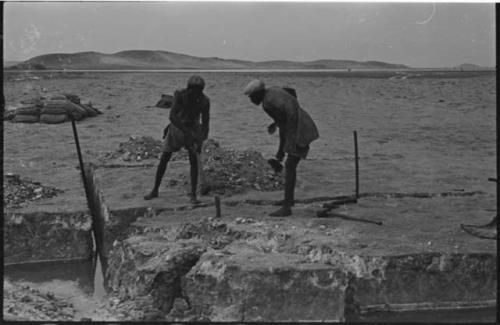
(9, 63)
(471, 67)
(158, 60)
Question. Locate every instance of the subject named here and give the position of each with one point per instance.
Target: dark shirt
(186, 114)
(296, 126)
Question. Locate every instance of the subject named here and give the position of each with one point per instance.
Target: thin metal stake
(356, 160)
(217, 207)
(75, 135)
(85, 184)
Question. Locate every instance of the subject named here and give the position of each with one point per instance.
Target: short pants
(175, 138)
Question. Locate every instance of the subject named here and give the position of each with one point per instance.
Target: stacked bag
(54, 109)
(27, 113)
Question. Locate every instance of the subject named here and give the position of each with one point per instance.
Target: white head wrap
(254, 86)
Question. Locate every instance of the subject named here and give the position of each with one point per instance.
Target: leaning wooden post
(356, 161)
(217, 207)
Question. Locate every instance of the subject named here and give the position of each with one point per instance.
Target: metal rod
(85, 184)
(356, 161)
(217, 207)
(75, 135)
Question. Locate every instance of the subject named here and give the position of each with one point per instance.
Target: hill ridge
(158, 59)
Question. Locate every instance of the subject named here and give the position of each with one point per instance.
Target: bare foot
(193, 200)
(281, 202)
(205, 189)
(151, 195)
(282, 212)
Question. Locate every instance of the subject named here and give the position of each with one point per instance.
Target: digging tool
(202, 185)
(356, 161)
(334, 204)
(340, 200)
(217, 207)
(327, 214)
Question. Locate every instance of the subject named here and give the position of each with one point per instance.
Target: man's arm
(205, 119)
(279, 119)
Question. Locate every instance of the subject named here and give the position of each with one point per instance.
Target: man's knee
(291, 162)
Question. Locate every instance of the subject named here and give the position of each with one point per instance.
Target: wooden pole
(80, 160)
(217, 207)
(90, 203)
(356, 161)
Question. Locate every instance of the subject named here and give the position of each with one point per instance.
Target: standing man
(296, 129)
(185, 130)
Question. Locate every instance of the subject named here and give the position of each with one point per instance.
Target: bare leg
(194, 175)
(290, 179)
(160, 171)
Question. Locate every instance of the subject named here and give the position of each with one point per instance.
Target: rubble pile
(26, 303)
(137, 149)
(18, 191)
(228, 171)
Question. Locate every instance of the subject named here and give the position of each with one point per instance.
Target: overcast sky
(415, 34)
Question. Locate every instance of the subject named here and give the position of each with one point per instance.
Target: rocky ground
(415, 136)
(227, 171)
(18, 191)
(26, 303)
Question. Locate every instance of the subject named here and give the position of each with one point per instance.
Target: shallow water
(471, 316)
(83, 278)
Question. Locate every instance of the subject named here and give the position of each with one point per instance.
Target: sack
(56, 97)
(53, 118)
(26, 119)
(73, 98)
(64, 107)
(76, 111)
(55, 103)
(32, 102)
(28, 110)
(91, 112)
(53, 110)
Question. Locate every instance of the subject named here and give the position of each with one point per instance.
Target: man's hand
(271, 128)
(280, 155)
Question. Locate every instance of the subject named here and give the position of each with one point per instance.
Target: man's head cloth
(254, 86)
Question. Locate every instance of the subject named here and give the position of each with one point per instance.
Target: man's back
(188, 112)
(286, 111)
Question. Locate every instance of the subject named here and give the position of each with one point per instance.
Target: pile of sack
(51, 109)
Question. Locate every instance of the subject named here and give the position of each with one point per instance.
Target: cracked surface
(392, 263)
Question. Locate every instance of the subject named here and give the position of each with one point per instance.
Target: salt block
(249, 285)
(40, 236)
(429, 278)
(149, 264)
